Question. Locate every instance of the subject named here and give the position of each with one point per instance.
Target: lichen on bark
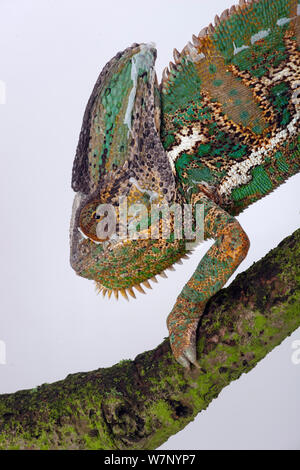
(139, 404)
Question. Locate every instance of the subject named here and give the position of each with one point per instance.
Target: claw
(188, 357)
(183, 343)
(190, 354)
(183, 362)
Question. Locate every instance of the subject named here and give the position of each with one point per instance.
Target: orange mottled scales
(220, 132)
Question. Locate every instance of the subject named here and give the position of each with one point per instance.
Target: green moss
(259, 322)
(161, 412)
(152, 398)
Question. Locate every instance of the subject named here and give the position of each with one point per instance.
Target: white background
(51, 320)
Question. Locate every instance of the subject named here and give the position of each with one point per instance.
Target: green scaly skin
(222, 130)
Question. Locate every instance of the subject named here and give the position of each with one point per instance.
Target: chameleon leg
(215, 268)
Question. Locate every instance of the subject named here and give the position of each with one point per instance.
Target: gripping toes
(215, 268)
(182, 330)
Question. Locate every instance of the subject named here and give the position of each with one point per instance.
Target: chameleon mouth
(129, 291)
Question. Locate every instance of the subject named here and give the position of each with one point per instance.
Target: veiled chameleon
(221, 130)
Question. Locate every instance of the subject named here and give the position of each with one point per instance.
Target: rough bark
(139, 404)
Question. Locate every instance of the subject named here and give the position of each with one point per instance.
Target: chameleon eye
(95, 215)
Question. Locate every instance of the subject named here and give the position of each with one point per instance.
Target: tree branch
(139, 404)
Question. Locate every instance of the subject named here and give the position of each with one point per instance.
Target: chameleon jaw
(129, 291)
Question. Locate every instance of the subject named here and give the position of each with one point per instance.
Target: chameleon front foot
(182, 329)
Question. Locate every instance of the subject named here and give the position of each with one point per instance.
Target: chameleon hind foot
(182, 329)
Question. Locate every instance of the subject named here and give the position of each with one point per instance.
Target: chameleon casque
(221, 130)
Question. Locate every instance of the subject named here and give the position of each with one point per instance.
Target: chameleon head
(119, 245)
(120, 161)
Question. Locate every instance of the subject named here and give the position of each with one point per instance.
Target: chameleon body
(221, 130)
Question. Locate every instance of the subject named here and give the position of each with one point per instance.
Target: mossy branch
(139, 404)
